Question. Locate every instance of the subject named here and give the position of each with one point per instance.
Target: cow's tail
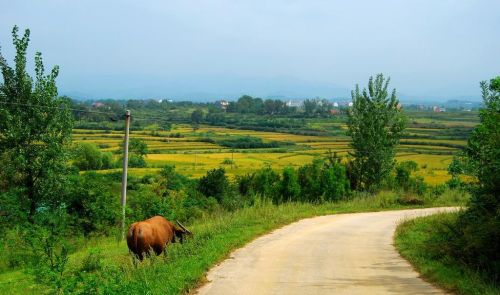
(137, 234)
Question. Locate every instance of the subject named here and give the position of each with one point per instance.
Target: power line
(60, 107)
(149, 118)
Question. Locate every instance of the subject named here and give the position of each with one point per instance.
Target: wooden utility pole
(125, 170)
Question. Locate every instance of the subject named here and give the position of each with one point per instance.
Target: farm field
(431, 140)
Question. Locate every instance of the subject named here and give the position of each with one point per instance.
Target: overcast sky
(209, 49)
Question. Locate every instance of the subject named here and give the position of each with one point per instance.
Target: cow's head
(181, 231)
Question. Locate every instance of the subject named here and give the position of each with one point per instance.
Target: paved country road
(335, 254)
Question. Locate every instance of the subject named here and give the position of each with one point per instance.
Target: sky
(205, 50)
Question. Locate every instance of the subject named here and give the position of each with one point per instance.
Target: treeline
(246, 142)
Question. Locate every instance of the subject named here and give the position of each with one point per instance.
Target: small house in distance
(437, 109)
(222, 104)
(97, 105)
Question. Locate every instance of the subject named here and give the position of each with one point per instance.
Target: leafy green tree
(265, 182)
(404, 171)
(376, 124)
(215, 184)
(87, 156)
(308, 176)
(35, 129)
(290, 188)
(172, 180)
(312, 106)
(455, 168)
(244, 104)
(138, 150)
(107, 160)
(91, 203)
(197, 116)
(477, 238)
(334, 182)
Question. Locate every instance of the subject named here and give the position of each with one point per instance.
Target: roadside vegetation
(461, 251)
(421, 241)
(60, 177)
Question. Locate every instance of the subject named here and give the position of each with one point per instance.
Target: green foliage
(49, 258)
(87, 156)
(320, 181)
(138, 149)
(250, 142)
(474, 238)
(375, 125)
(404, 179)
(290, 188)
(308, 177)
(266, 182)
(425, 242)
(107, 160)
(334, 182)
(215, 184)
(91, 205)
(478, 229)
(171, 180)
(35, 128)
(197, 116)
(455, 168)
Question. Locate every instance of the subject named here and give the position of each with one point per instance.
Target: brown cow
(153, 234)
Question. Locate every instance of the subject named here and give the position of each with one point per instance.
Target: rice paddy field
(431, 140)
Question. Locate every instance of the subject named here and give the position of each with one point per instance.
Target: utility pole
(125, 170)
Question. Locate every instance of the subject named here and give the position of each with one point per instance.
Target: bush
(334, 183)
(214, 184)
(107, 160)
(289, 188)
(91, 205)
(136, 161)
(87, 156)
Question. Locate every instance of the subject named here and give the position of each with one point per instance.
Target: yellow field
(193, 157)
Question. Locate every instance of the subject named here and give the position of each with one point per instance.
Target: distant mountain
(204, 89)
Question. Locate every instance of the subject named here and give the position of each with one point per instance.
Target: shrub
(214, 184)
(107, 160)
(136, 161)
(87, 156)
(334, 183)
(289, 188)
(91, 205)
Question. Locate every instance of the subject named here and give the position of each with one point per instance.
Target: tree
(478, 228)
(310, 106)
(244, 104)
(334, 182)
(87, 157)
(215, 184)
(138, 150)
(290, 188)
(196, 116)
(35, 129)
(376, 124)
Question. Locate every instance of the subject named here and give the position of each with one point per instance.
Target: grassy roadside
(104, 266)
(411, 240)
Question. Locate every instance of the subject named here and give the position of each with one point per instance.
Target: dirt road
(335, 254)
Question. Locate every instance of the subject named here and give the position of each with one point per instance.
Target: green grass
(215, 236)
(411, 239)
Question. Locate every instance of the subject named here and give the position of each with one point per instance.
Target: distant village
(334, 107)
